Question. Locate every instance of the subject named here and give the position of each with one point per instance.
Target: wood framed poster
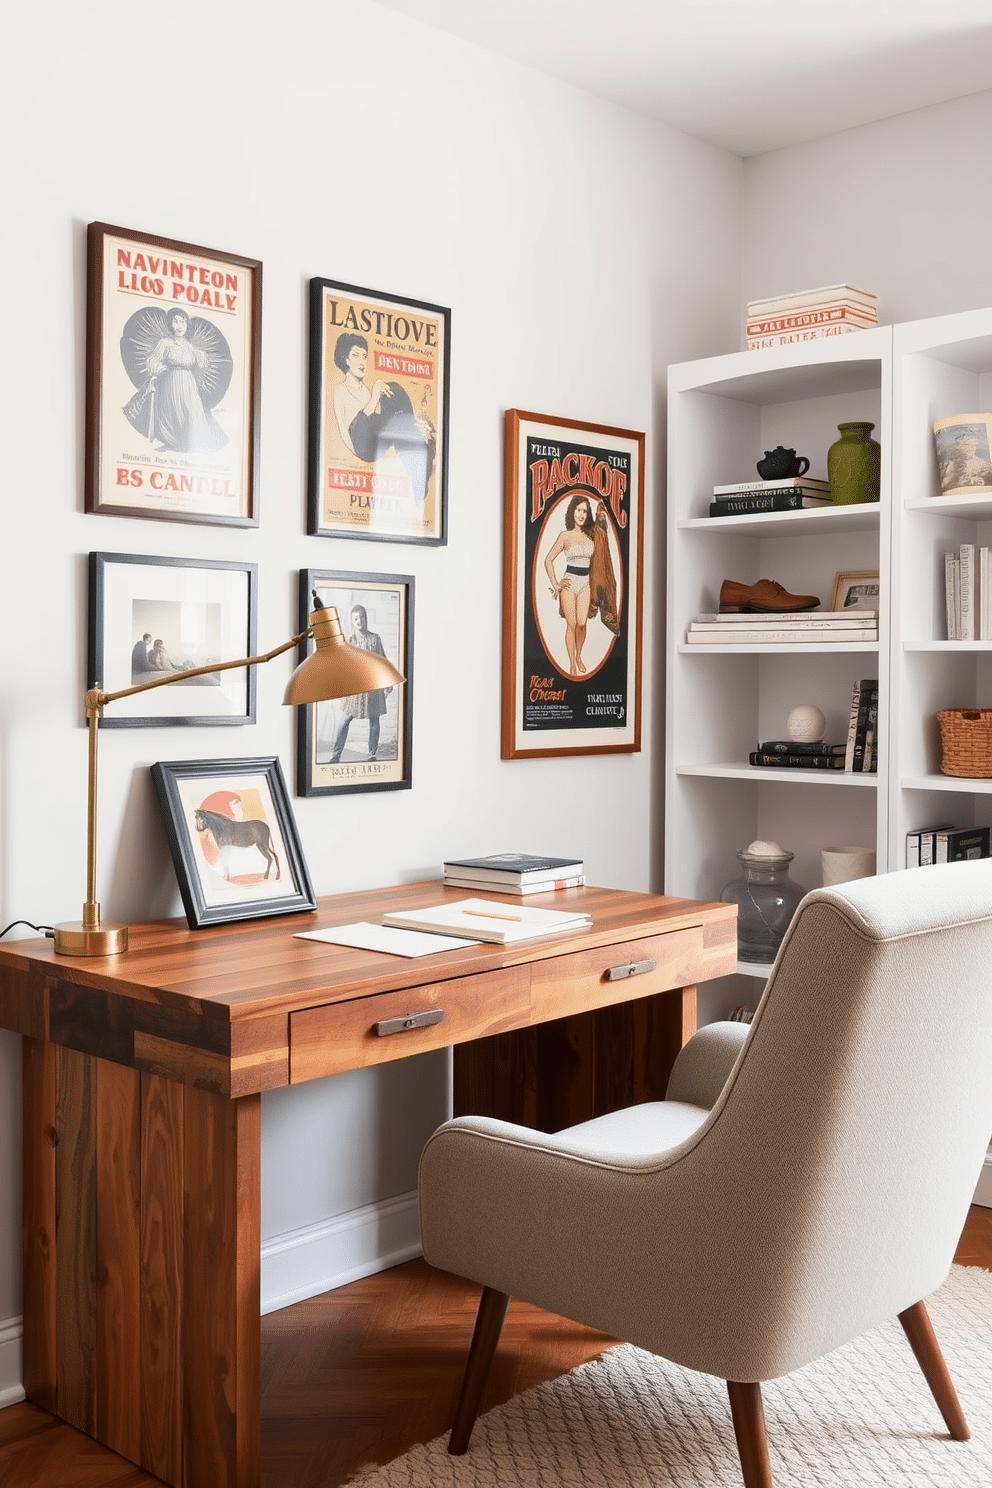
(572, 580)
(173, 360)
(365, 742)
(378, 415)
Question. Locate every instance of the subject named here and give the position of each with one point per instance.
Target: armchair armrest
(704, 1064)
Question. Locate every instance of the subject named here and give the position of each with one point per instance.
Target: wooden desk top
(214, 1007)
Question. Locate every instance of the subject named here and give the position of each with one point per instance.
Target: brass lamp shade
(336, 669)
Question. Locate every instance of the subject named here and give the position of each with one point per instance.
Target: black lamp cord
(14, 923)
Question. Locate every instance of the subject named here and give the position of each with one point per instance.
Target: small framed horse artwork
(233, 839)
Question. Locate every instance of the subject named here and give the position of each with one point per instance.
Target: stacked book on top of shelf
(789, 627)
(946, 844)
(794, 493)
(968, 593)
(515, 873)
(861, 751)
(809, 315)
(790, 754)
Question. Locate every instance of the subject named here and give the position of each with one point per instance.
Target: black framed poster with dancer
(173, 358)
(378, 415)
(573, 545)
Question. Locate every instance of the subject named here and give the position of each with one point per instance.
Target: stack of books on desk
(744, 498)
(515, 873)
(809, 315)
(791, 626)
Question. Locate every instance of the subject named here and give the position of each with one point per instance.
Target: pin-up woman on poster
(587, 586)
(374, 420)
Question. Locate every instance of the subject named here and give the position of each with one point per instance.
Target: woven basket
(966, 737)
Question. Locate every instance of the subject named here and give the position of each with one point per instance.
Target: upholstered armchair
(805, 1178)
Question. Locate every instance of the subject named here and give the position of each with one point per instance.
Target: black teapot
(780, 464)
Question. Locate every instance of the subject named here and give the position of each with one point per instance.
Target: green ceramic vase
(854, 465)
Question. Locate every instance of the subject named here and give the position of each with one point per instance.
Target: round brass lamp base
(74, 938)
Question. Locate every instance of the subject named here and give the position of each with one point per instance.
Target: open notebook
(487, 919)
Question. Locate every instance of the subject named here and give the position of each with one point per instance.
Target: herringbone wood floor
(358, 1375)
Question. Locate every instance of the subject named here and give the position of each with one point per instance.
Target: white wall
(901, 207)
(581, 250)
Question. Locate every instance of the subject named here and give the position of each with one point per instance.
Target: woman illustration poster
(181, 366)
(576, 564)
(379, 421)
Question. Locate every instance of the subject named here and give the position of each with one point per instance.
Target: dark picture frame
(200, 609)
(172, 405)
(233, 839)
(383, 718)
(571, 640)
(378, 416)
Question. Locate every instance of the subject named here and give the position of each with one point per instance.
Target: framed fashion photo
(173, 359)
(573, 554)
(856, 590)
(378, 415)
(149, 616)
(233, 839)
(360, 743)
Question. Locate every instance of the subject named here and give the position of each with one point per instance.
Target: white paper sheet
(368, 937)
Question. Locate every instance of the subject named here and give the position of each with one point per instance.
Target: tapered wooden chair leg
(923, 1341)
(752, 1438)
(488, 1326)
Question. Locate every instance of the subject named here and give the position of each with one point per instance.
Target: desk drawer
(343, 1035)
(616, 973)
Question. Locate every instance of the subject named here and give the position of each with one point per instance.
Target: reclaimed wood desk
(142, 1118)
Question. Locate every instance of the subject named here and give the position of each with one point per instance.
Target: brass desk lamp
(335, 669)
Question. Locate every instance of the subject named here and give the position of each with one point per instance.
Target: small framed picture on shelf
(365, 742)
(572, 577)
(857, 590)
(233, 839)
(173, 360)
(378, 415)
(152, 616)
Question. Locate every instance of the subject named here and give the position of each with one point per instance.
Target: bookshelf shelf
(724, 413)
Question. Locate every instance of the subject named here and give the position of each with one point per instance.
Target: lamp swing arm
(96, 698)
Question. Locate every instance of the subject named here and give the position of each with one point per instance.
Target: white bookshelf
(723, 414)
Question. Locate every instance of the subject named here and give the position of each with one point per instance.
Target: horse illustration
(229, 834)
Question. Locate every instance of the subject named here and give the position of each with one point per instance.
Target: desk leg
(141, 1265)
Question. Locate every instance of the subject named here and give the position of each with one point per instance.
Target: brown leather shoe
(764, 597)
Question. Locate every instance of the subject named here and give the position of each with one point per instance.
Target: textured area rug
(861, 1417)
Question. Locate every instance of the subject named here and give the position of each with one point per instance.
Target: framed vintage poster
(573, 550)
(378, 415)
(173, 358)
(233, 839)
(360, 743)
(149, 616)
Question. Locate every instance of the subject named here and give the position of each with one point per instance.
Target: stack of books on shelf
(515, 873)
(790, 754)
(743, 498)
(809, 315)
(861, 752)
(796, 627)
(946, 844)
(968, 593)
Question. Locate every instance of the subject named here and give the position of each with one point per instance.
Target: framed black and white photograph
(152, 616)
(173, 361)
(378, 415)
(233, 839)
(856, 589)
(360, 743)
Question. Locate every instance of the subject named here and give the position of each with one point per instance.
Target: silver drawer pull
(416, 1020)
(633, 968)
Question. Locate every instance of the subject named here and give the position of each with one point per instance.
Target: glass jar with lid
(766, 899)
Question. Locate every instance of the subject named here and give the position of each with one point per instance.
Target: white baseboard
(303, 1263)
(11, 1361)
(983, 1193)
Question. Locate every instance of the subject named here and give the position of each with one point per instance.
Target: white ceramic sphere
(805, 724)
